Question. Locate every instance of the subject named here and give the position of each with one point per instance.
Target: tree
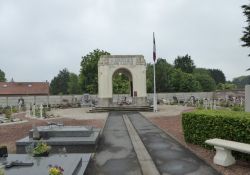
(246, 33)
(59, 84)
(73, 84)
(184, 82)
(185, 63)
(241, 81)
(2, 76)
(89, 71)
(217, 75)
(150, 78)
(206, 81)
(121, 84)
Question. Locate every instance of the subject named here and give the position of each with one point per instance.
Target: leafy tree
(226, 86)
(150, 78)
(185, 82)
(2, 76)
(59, 84)
(206, 81)
(121, 84)
(163, 71)
(185, 63)
(241, 81)
(246, 33)
(73, 84)
(217, 75)
(89, 71)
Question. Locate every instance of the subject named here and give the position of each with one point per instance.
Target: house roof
(24, 88)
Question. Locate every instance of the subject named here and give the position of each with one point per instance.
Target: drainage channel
(169, 156)
(115, 154)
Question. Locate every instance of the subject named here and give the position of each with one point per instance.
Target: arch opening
(122, 82)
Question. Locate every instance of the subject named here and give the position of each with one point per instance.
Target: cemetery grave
(74, 139)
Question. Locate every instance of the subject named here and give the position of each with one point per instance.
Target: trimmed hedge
(200, 125)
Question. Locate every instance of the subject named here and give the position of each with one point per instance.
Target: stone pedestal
(247, 98)
(223, 156)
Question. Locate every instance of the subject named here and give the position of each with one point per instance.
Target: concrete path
(169, 155)
(115, 155)
(130, 143)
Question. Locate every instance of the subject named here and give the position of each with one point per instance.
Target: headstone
(35, 133)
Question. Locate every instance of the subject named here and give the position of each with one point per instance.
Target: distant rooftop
(24, 88)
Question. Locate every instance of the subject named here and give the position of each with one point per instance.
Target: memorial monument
(133, 66)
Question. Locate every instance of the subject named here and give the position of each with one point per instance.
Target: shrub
(200, 125)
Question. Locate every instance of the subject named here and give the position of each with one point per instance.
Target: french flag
(154, 48)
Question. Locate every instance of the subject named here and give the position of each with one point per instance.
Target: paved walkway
(120, 151)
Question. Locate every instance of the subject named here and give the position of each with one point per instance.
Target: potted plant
(41, 150)
(55, 170)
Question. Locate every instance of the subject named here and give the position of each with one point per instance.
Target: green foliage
(2, 76)
(206, 81)
(121, 84)
(7, 112)
(184, 82)
(89, 71)
(163, 71)
(73, 84)
(150, 78)
(246, 33)
(41, 148)
(200, 125)
(241, 81)
(226, 86)
(217, 75)
(185, 63)
(59, 84)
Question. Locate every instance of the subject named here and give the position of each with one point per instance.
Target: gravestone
(73, 164)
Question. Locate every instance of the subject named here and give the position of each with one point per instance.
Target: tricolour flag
(154, 48)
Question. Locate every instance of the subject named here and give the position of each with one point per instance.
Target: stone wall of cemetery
(60, 99)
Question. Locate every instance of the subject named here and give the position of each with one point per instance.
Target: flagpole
(154, 58)
(155, 102)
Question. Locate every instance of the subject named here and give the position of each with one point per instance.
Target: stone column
(247, 98)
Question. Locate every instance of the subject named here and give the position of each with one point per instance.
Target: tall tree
(89, 71)
(206, 81)
(185, 63)
(241, 81)
(246, 33)
(73, 84)
(2, 76)
(217, 75)
(59, 84)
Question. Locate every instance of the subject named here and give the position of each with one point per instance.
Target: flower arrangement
(55, 170)
(42, 149)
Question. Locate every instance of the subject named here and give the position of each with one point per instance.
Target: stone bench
(223, 148)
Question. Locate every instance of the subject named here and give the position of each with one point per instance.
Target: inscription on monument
(120, 61)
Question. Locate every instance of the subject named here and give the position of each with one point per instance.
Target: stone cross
(34, 110)
(41, 111)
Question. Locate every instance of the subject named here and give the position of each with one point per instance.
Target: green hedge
(200, 125)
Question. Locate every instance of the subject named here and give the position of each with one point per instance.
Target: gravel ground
(172, 125)
(10, 133)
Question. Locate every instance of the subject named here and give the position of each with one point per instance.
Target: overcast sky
(39, 38)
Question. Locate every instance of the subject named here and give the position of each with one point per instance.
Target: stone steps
(121, 108)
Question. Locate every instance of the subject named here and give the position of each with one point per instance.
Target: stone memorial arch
(133, 66)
